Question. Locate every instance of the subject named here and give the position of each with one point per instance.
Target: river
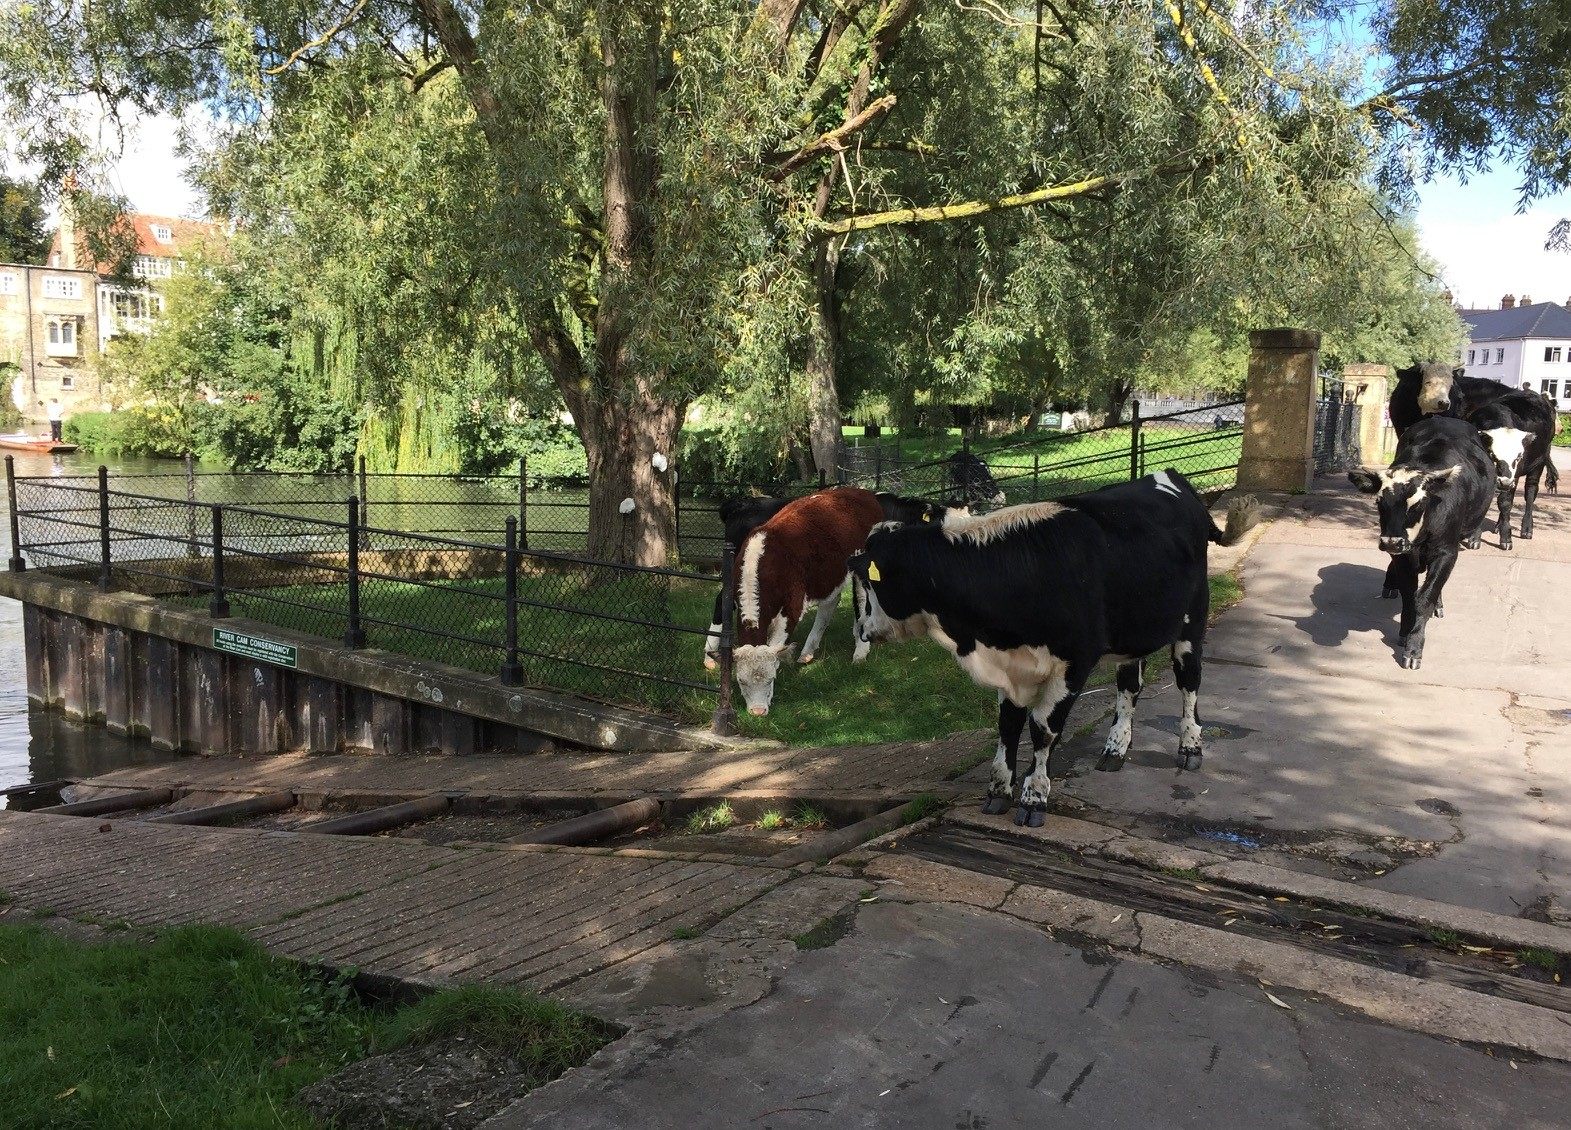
(40, 745)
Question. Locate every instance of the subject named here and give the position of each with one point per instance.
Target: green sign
(254, 647)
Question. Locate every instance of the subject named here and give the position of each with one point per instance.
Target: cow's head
(975, 481)
(883, 611)
(756, 666)
(1434, 387)
(1507, 448)
(1403, 495)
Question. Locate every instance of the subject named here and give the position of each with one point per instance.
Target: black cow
(1436, 389)
(973, 480)
(1030, 598)
(1434, 496)
(1518, 429)
(742, 515)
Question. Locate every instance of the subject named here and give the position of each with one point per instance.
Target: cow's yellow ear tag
(872, 571)
(926, 517)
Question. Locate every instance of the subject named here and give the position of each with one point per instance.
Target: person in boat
(55, 412)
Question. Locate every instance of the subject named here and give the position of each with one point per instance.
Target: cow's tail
(1243, 513)
(1554, 475)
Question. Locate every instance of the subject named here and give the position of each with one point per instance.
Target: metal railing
(1337, 419)
(620, 633)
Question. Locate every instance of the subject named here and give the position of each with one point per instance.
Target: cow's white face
(1506, 448)
(1434, 389)
(756, 666)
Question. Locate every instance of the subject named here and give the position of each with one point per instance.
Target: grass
(809, 817)
(1445, 939)
(773, 821)
(921, 806)
(1563, 436)
(1544, 959)
(198, 1026)
(716, 818)
(684, 934)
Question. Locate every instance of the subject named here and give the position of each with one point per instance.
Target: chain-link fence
(311, 563)
(1337, 422)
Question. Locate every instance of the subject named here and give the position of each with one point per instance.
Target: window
(1500, 357)
(8, 282)
(57, 287)
(67, 382)
(135, 305)
(54, 333)
(1469, 356)
(151, 267)
(1551, 353)
(67, 333)
(1552, 389)
(162, 233)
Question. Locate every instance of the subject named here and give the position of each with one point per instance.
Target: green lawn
(200, 1027)
(1563, 437)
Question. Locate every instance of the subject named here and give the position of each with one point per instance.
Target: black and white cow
(1518, 429)
(1433, 496)
(742, 515)
(1028, 599)
(973, 480)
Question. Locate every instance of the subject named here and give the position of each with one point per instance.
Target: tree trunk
(621, 442)
(1117, 398)
(823, 403)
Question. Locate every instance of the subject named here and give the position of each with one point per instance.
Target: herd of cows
(1029, 599)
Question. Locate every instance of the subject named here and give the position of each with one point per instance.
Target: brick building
(56, 319)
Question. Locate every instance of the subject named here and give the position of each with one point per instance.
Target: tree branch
(321, 41)
(460, 47)
(834, 140)
(936, 212)
(416, 82)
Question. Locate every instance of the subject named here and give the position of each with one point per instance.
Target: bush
(130, 431)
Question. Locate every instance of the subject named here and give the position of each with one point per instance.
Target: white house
(1522, 343)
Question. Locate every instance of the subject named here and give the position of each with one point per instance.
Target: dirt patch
(494, 827)
(448, 1084)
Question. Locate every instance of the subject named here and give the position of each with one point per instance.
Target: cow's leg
(1051, 713)
(826, 610)
(1001, 786)
(712, 640)
(1529, 496)
(1428, 596)
(1131, 681)
(859, 646)
(1389, 590)
(1188, 650)
(1407, 585)
(1503, 499)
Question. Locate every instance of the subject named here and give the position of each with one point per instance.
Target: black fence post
(523, 501)
(1134, 440)
(512, 673)
(725, 713)
(354, 633)
(16, 564)
(878, 466)
(193, 548)
(218, 606)
(1036, 477)
(676, 496)
(360, 487)
(103, 530)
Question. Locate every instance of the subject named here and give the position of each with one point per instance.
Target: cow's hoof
(1472, 543)
(1412, 660)
(1440, 612)
(1036, 819)
(1526, 535)
(1030, 815)
(1389, 594)
(1505, 545)
(709, 663)
(1189, 759)
(1109, 763)
(807, 657)
(994, 805)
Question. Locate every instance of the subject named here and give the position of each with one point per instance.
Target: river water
(39, 745)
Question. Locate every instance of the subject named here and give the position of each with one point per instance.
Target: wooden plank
(73, 697)
(117, 679)
(94, 679)
(389, 725)
(35, 635)
(163, 693)
(141, 711)
(456, 733)
(206, 701)
(257, 722)
(319, 715)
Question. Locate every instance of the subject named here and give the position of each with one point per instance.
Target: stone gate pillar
(1370, 385)
(1279, 410)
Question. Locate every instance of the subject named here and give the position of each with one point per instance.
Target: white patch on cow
(1182, 648)
(1165, 484)
(826, 610)
(1123, 731)
(747, 598)
(1186, 617)
(1189, 725)
(756, 666)
(1002, 782)
(1507, 445)
(983, 528)
(626, 506)
(711, 646)
(1020, 672)
(779, 629)
(1037, 786)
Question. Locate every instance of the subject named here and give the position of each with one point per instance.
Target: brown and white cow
(796, 558)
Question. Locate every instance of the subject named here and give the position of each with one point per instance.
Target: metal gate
(1336, 428)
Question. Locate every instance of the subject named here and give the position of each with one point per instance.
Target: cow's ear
(1435, 477)
(1366, 481)
(786, 652)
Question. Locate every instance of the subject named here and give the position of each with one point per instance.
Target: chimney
(1508, 302)
(1526, 301)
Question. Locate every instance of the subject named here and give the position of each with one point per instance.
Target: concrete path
(1452, 782)
(942, 1016)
